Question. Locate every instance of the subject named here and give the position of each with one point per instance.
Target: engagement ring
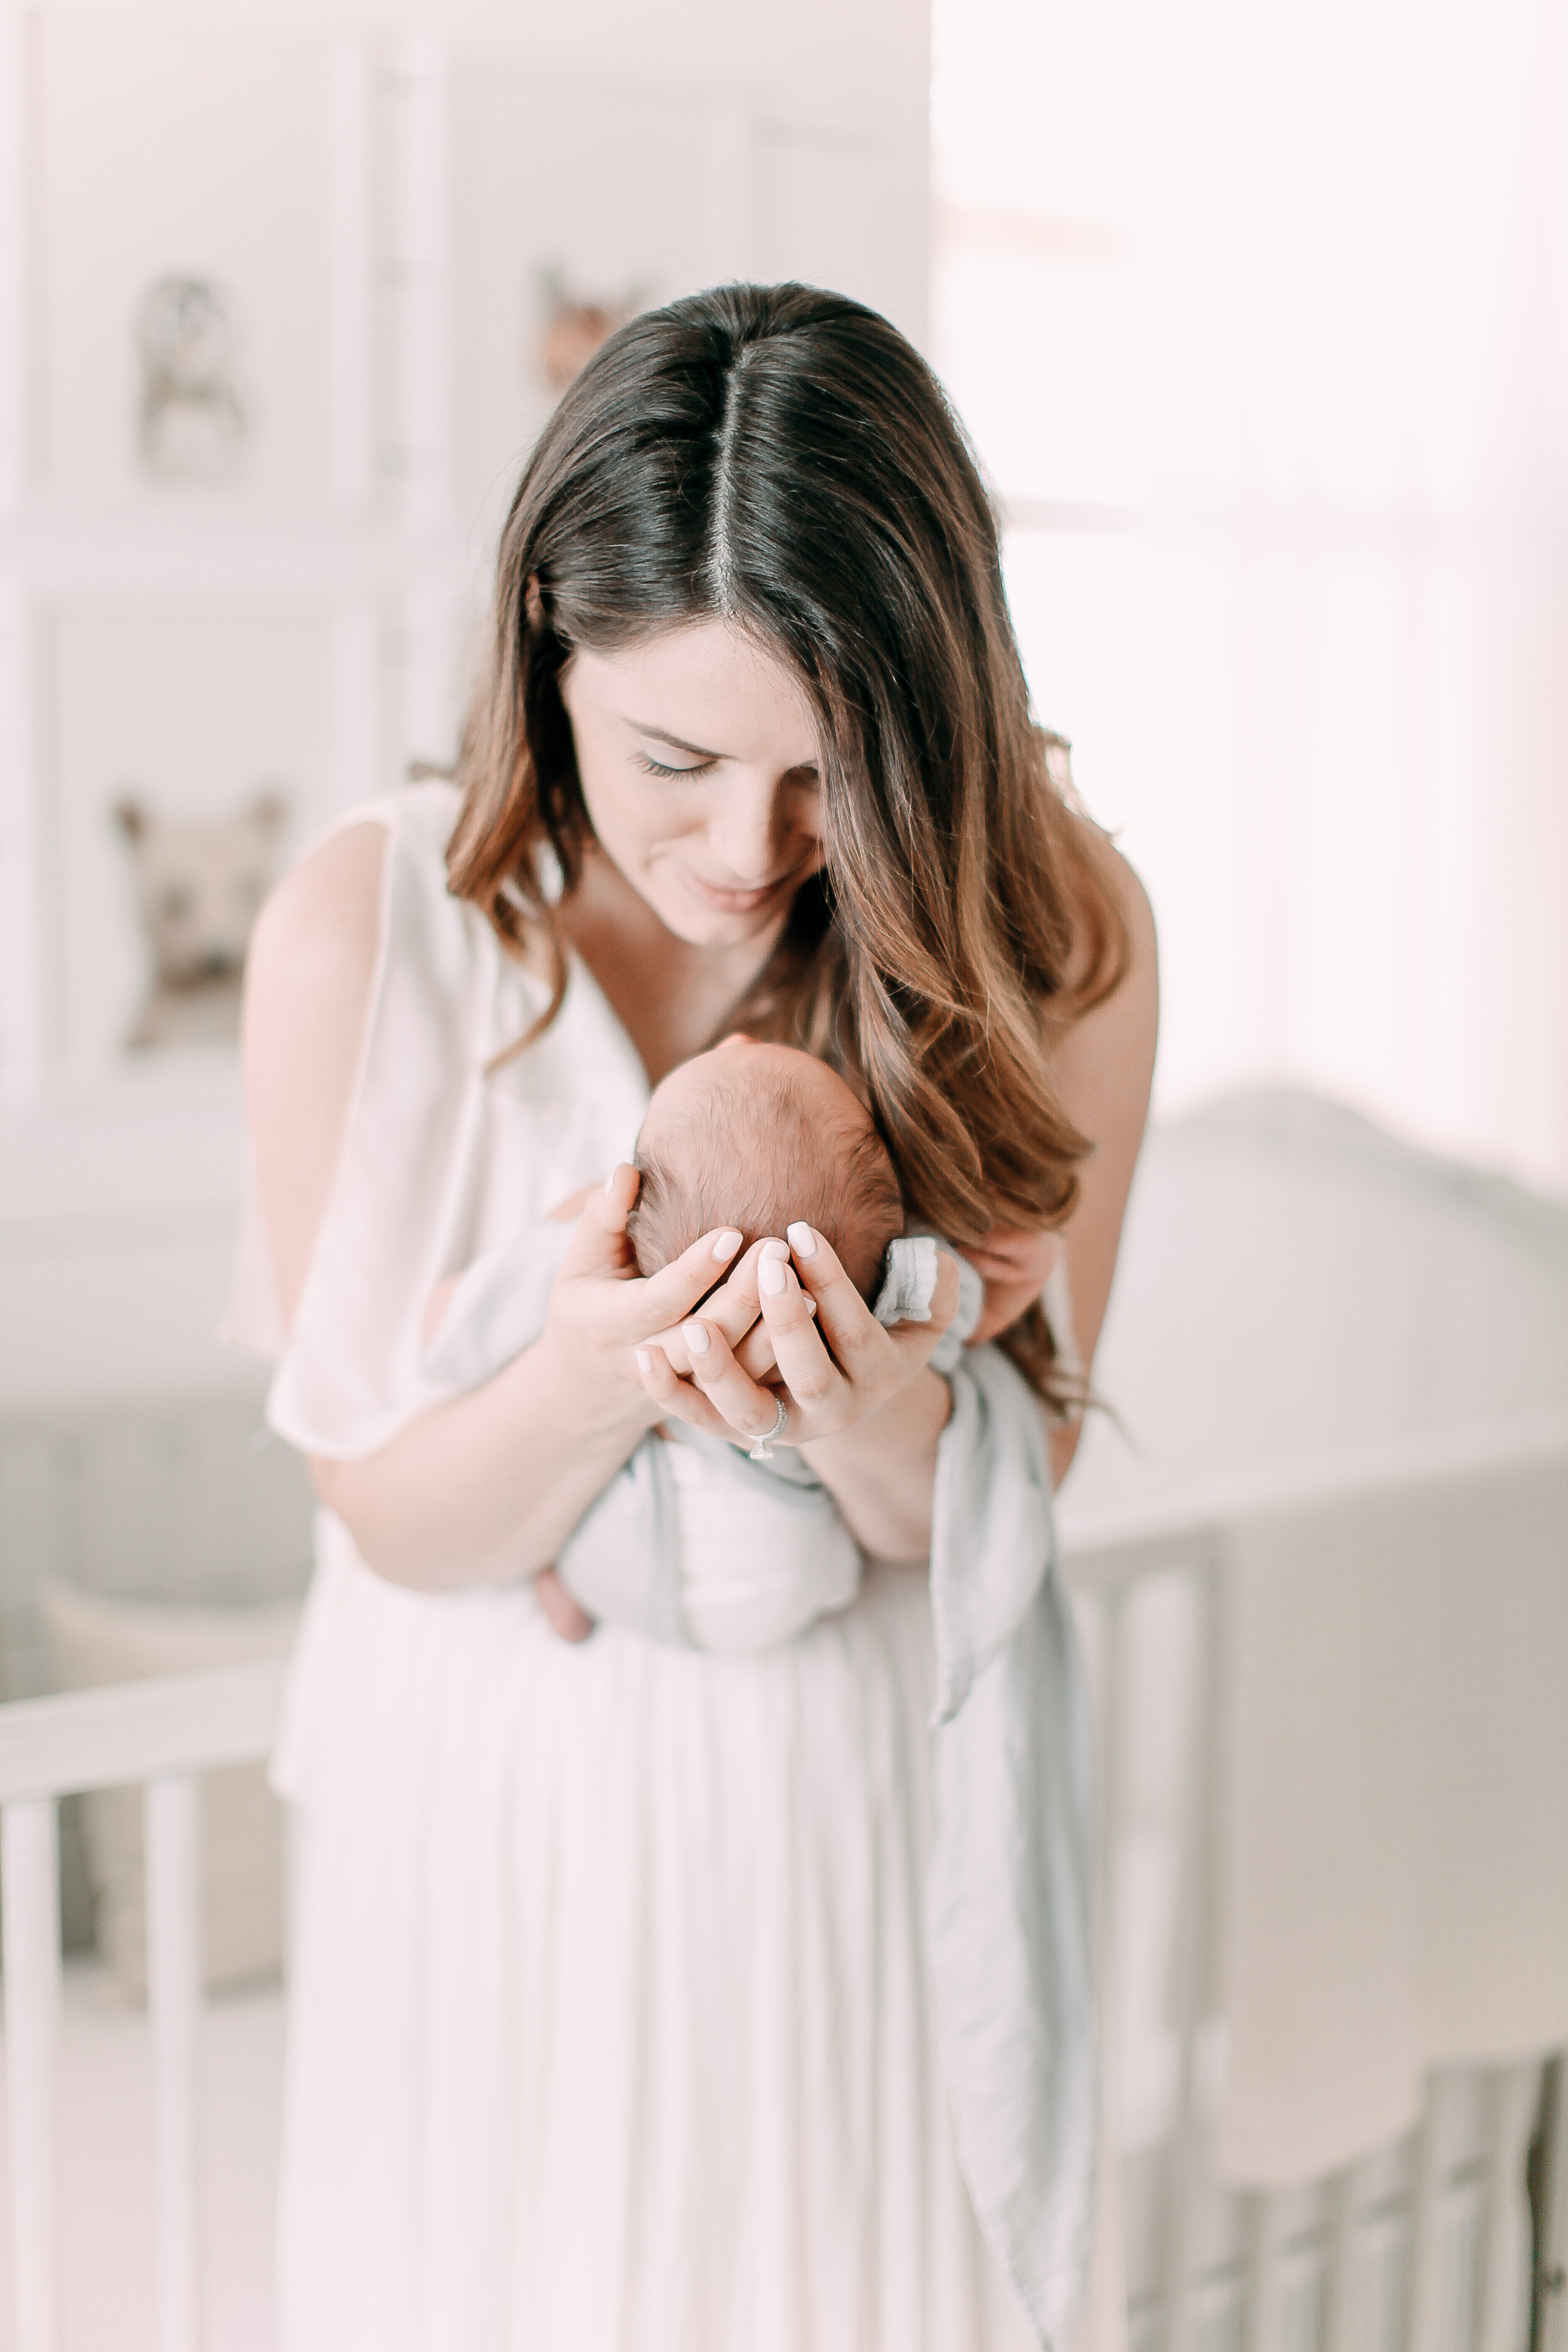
(763, 1451)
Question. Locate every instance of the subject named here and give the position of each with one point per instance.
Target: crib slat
(1260, 2298)
(1551, 2285)
(173, 2001)
(1341, 2333)
(1509, 2095)
(1189, 2178)
(30, 1873)
(1424, 2270)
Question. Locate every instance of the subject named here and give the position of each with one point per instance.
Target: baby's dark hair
(760, 1156)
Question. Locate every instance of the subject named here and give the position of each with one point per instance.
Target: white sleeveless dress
(607, 2031)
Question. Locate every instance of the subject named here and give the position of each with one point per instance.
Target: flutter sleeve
(350, 1373)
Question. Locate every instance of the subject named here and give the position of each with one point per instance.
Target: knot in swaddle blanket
(1009, 1892)
(909, 1286)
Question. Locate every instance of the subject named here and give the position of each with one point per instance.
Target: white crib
(1453, 2240)
(1407, 2253)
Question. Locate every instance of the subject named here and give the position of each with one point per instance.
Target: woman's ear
(533, 602)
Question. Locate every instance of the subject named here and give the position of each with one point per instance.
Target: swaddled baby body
(754, 1137)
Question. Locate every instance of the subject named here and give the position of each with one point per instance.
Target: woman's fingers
(670, 1295)
(746, 1409)
(808, 1370)
(857, 1341)
(733, 1307)
(869, 1357)
(598, 1245)
(1014, 1268)
(755, 1353)
(834, 1359)
(1009, 1256)
(677, 1398)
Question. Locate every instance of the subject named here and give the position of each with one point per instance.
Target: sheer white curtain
(1260, 320)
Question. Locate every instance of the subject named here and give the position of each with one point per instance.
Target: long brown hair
(781, 459)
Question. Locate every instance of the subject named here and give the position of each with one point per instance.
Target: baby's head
(756, 1135)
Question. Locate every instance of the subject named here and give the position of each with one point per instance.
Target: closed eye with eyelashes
(652, 767)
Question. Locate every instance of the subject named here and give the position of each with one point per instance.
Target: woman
(608, 2026)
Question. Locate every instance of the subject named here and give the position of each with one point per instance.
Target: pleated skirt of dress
(607, 2028)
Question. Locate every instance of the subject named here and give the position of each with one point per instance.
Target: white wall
(1260, 317)
(377, 189)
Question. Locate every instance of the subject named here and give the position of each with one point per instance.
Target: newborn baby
(754, 1137)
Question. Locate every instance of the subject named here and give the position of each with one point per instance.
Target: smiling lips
(733, 902)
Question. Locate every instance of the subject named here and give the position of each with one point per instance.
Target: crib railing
(1404, 2253)
(163, 1735)
(1407, 2250)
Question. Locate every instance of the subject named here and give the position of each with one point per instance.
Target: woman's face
(698, 755)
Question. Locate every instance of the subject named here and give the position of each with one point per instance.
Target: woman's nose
(749, 830)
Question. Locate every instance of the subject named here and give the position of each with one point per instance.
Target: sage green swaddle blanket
(1009, 1891)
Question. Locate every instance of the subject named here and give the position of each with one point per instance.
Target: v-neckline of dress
(580, 972)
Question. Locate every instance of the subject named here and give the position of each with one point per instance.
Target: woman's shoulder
(316, 939)
(322, 927)
(1124, 945)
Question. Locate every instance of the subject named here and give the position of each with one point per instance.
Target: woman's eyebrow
(676, 742)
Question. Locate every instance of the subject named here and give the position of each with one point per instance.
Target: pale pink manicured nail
(778, 1251)
(801, 1240)
(726, 1244)
(696, 1339)
(644, 1362)
(771, 1275)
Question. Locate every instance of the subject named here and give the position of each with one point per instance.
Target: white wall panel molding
(354, 264)
(412, 87)
(359, 701)
(425, 662)
(14, 290)
(20, 1032)
(59, 557)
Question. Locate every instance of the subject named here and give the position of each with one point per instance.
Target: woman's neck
(668, 995)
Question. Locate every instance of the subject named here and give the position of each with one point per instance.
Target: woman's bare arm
(1104, 1065)
(486, 1485)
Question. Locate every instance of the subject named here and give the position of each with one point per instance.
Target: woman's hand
(836, 1364)
(736, 1309)
(602, 1310)
(485, 1487)
(1014, 1268)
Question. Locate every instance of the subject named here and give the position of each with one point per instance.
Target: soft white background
(1260, 320)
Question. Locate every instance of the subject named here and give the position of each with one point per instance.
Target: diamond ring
(763, 1451)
